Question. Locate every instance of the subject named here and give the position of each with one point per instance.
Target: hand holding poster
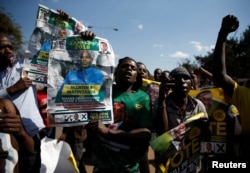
(179, 148)
(76, 94)
(50, 25)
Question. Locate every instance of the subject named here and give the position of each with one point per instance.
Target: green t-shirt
(121, 152)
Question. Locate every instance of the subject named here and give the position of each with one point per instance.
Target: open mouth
(127, 74)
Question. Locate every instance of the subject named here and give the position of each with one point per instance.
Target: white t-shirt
(26, 102)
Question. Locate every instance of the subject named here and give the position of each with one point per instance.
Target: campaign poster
(178, 150)
(152, 88)
(217, 109)
(80, 77)
(49, 26)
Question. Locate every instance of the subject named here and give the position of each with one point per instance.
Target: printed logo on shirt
(138, 106)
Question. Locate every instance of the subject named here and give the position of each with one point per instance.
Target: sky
(159, 33)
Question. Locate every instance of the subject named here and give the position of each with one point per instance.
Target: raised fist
(230, 23)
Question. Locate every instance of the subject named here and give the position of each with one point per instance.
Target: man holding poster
(183, 121)
(119, 146)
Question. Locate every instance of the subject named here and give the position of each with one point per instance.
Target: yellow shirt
(241, 99)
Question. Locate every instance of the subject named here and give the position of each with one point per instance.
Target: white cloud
(179, 54)
(199, 47)
(161, 55)
(158, 45)
(140, 26)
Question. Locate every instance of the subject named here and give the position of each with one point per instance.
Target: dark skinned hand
(98, 126)
(63, 14)
(230, 23)
(22, 84)
(10, 122)
(87, 35)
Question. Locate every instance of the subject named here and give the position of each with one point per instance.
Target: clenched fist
(230, 23)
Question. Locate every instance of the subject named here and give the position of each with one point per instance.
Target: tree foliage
(237, 57)
(12, 29)
(188, 64)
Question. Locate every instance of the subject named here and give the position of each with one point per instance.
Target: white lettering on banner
(216, 164)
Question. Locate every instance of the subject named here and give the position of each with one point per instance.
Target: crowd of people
(122, 147)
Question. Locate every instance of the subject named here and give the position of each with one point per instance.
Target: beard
(5, 62)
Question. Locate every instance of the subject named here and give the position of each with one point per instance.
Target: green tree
(243, 54)
(188, 64)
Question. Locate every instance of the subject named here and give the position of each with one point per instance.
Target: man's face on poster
(207, 99)
(153, 91)
(104, 46)
(62, 33)
(76, 116)
(86, 59)
(119, 112)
